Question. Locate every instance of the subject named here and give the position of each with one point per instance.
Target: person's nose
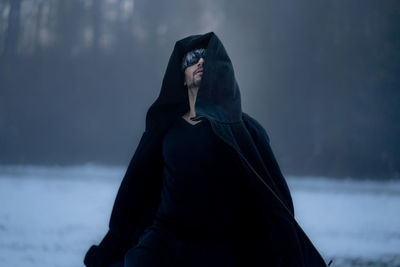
(201, 61)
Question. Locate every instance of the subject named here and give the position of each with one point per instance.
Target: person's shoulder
(249, 119)
(252, 122)
(254, 125)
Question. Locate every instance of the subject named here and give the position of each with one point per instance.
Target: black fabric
(201, 189)
(162, 247)
(270, 235)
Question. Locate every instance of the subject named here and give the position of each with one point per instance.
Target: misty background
(78, 76)
(322, 77)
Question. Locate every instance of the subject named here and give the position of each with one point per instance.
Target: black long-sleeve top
(202, 191)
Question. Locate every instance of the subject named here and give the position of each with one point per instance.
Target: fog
(78, 76)
(322, 77)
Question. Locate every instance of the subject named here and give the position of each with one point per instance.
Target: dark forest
(323, 78)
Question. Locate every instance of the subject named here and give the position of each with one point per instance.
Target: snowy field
(49, 216)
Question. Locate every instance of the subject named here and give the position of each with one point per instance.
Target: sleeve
(127, 210)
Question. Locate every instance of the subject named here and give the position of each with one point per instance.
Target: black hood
(218, 97)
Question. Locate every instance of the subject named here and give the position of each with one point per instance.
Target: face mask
(193, 57)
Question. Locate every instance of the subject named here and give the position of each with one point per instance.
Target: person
(203, 187)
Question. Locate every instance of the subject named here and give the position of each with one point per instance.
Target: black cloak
(271, 236)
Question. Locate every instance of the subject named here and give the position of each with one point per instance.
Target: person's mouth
(199, 71)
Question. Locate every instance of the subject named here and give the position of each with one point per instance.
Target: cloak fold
(271, 235)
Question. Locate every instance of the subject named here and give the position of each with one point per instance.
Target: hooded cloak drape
(271, 235)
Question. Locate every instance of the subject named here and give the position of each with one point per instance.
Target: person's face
(193, 74)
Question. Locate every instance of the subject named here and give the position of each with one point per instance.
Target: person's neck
(192, 93)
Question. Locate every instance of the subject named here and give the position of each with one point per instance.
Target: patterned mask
(192, 57)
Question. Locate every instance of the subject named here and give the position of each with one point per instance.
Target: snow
(50, 216)
(353, 223)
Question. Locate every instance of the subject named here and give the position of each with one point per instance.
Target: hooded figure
(268, 234)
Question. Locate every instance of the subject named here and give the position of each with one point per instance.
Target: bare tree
(13, 29)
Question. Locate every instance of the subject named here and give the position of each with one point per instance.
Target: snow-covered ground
(49, 216)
